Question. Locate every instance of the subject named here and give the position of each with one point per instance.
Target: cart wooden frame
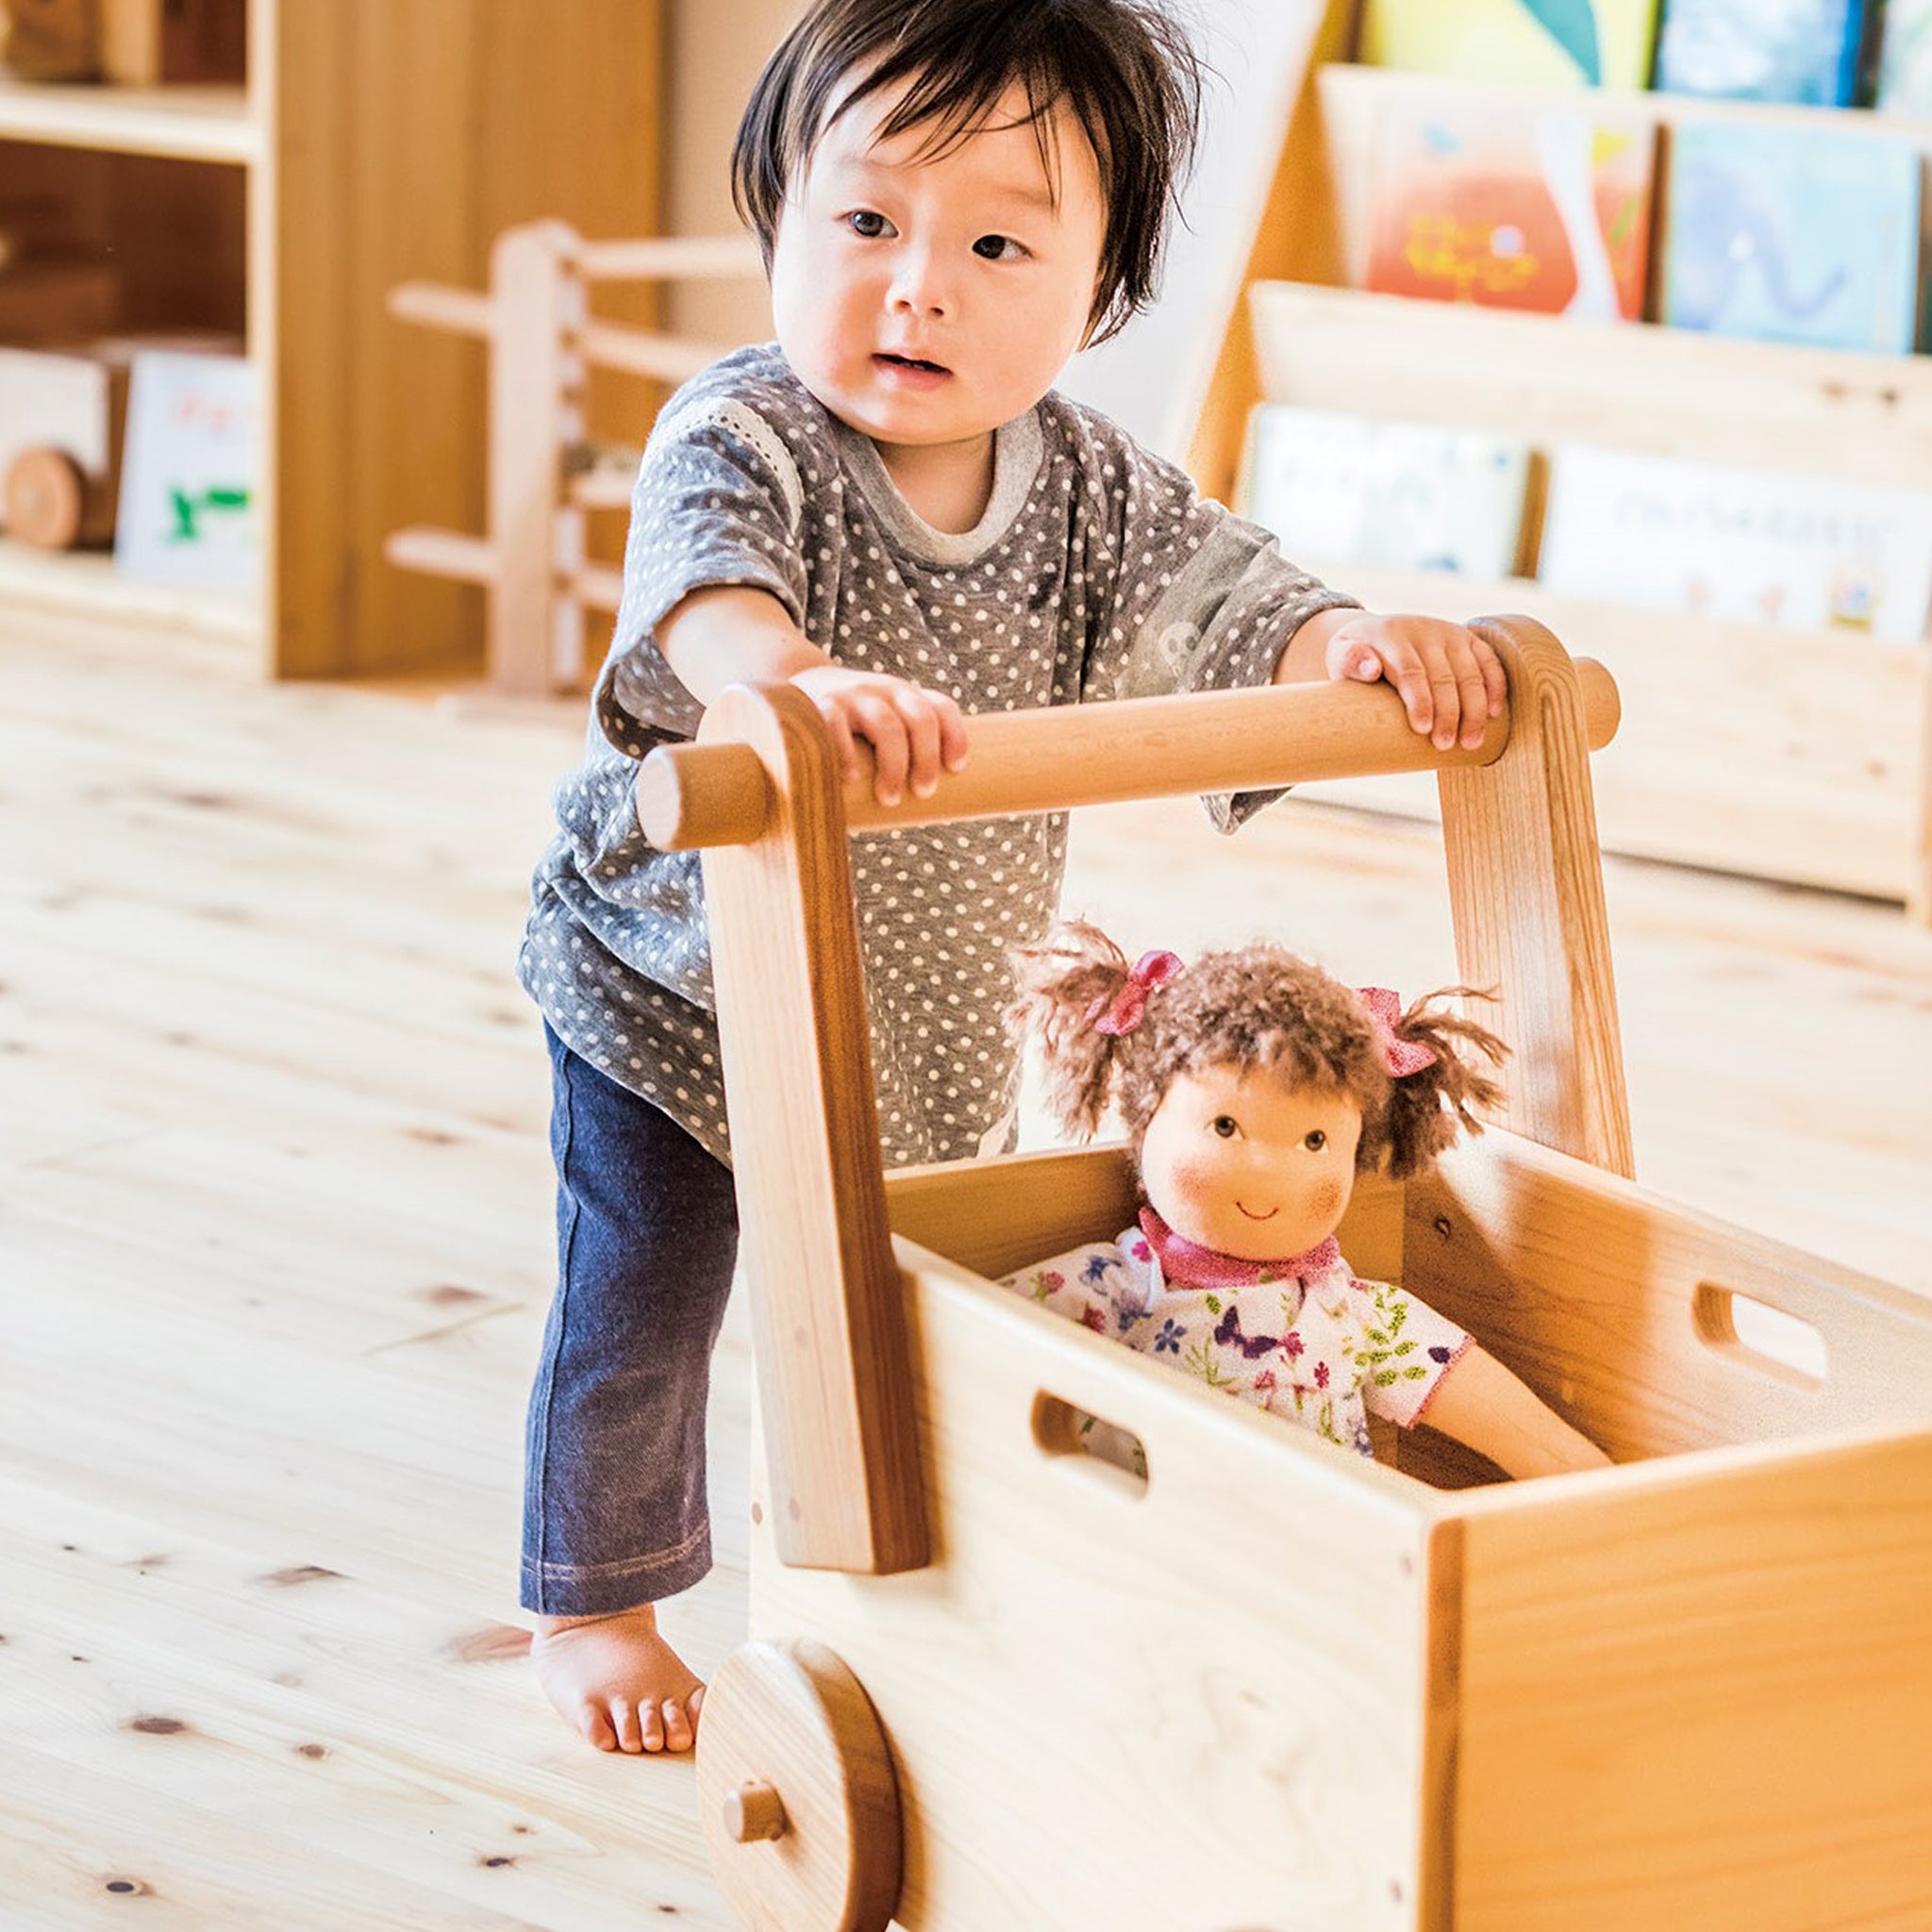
(999, 1684)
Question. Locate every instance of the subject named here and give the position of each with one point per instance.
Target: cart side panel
(1236, 1652)
(1701, 1698)
(1631, 1315)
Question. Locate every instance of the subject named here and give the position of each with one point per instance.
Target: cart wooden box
(1275, 1689)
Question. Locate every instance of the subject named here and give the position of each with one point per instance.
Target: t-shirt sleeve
(1202, 599)
(717, 500)
(1409, 1349)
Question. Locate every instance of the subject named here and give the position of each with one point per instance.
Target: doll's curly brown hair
(1256, 1006)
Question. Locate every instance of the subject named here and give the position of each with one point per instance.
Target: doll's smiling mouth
(1253, 1216)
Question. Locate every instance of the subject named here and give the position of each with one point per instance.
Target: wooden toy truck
(999, 1686)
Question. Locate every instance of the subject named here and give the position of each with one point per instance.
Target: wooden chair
(547, 474)
(998, 1683)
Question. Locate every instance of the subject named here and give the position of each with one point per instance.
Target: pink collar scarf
(1184, 1264)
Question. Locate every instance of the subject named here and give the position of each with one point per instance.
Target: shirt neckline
(1184, 1263)
(1016, 448)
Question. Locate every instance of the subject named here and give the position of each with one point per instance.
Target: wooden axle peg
(754, 1811)
(825, 1858)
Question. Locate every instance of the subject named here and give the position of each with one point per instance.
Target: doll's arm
(1481, 1403)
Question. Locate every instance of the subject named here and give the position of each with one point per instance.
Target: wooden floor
(275, 1251)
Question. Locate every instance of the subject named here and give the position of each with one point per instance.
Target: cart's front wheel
(797, 1794)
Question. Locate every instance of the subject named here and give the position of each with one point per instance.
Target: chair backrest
(761, 793)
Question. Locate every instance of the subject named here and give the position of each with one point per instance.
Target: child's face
(1249, 1165)
(927, 301)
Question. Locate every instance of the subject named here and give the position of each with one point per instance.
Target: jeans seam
(567, 1260)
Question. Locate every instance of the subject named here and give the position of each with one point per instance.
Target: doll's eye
(1315, 1140)
(1226, 1125)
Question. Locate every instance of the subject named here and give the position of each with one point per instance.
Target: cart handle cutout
(1062, 1431)
(1758, 1337)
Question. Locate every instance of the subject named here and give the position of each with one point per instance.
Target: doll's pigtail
(1429, 1107)
(1072, 973)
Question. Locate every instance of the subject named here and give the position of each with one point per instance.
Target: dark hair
(1251, 1007)
(1125, 67)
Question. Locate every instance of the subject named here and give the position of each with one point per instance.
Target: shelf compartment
(200, 124)
(1803, 765)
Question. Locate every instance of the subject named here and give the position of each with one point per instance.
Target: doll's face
(1244, 1162)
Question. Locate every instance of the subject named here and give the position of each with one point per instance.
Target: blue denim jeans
(614, 1504)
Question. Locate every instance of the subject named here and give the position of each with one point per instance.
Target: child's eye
(1315, 1140)
(998, 248)
(868, 224)
(1226, 1125)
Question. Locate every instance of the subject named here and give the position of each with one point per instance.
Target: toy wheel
(47, 500)
(797, 1793)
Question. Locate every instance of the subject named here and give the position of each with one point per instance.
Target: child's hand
(914, 733)
(1448, 677)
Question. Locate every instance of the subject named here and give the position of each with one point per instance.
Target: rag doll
(1255, 1087)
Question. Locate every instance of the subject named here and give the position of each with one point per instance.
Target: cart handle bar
(718, 794)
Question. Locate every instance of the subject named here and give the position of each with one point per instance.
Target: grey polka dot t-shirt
(1095, 572)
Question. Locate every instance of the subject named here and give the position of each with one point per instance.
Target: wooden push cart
(1000, 1685)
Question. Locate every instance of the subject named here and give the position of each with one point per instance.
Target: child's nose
(919, 287)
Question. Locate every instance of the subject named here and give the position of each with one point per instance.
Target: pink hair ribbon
(1401, 1056)
(1129, 1006)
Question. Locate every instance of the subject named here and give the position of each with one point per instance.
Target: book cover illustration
(1545, 208)
(1794, 235)
(190, 507)
(1408, 494)
(1727, 541)
(1808, 51)
(1548, 43)
(1905, 63)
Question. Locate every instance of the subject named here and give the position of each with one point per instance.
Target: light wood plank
(199, 124)
(1648, 1735)
(797, 1055)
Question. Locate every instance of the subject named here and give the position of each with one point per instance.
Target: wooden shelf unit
(377, 141)
(1822, 768)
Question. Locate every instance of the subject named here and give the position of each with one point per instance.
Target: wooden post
(1526, 895)
(834, 1364)
(531, 293)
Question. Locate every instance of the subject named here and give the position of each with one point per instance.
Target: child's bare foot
(618, 1681)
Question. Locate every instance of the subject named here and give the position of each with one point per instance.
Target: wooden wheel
(50, 503)
(797, 1793)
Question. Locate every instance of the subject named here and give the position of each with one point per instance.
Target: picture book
(1735, 542)
(1334, 486)
(1543, 207)
(1812, 51)
(1794, 234)
(1905, 61)
(1549, 43)
(189, 504)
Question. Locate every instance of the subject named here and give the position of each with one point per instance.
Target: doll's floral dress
(1302, 1336)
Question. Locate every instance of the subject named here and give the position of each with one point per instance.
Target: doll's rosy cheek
(1329, 1199)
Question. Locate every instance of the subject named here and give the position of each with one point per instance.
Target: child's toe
(653, 1725)
(594, 1721)
(630, 1736)
(676, 1726)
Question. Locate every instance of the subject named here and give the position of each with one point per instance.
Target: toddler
(889, 508)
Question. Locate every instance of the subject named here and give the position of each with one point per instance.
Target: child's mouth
(913, 371)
